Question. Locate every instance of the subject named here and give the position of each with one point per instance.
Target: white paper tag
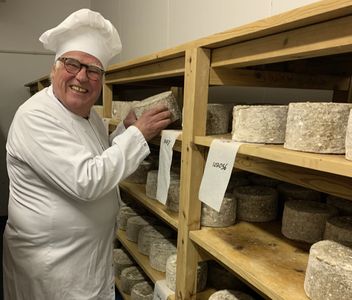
(168, 139)
(161, 290)
(217, 172)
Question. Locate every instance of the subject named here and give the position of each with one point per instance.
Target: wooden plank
(141, 259)
(259, 254)
(195, 108)
(241, 77)
(331, 37)
(138, 192)
(107, 100)
(156, 70)
(329, 163)
(35, 82)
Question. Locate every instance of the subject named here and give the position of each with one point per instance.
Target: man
(64, 175)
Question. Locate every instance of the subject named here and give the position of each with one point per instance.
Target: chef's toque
(87, 31)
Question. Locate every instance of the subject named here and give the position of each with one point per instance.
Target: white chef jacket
(63, 201)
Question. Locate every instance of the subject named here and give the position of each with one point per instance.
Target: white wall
(144, 27)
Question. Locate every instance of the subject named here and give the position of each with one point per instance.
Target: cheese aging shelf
(307, 48)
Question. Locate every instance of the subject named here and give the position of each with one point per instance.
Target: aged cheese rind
(142, 291)
(256, 203)
(339, 229)
(160, 250)
(121, 261)
(165, 98)
(135, 224)
(329, 272)
(148, 234)
(152, 183)
(218, 118)
(305, 220)
(225, 217)
(140, 175)
(129, 277)
(259, 123)
(170, 276)
(230, 295)
(125, 213)
(317, 127)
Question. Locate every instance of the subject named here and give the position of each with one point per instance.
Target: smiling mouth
(78, 89)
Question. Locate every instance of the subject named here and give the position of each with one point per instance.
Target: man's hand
(152, 121)
(130, 119)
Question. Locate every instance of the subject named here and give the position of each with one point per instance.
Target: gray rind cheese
(224, 218)
(160, 250)
(170, 276)
(140, 175)
(135, 224)
(218, 118)
(125, 213)
(259, 123)
(148, 234)
(256, 203)
(152, 183)
(142, 291)
(329, 272)
(339, 229)
(317, 127)
(130, 277)
(305, 220)
(230, 295)
(344, 206)
(165, 98)
(121, 261)
(173, 194)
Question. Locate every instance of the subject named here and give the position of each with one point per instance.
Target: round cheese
(129, 277)
(218, 118)
(230, 295)
(259, 123)
(121, 261)
(160, 250)
(329, 272)
(344, 206)
(151, 185)
(140, 175)
(256, 203)
(225, 217)
(125, 213)
(339, 229)
(170, 276)
(305, 220)
(173, 195)
(142, 291)
(317, 127)
(148, 234)
(135, 224)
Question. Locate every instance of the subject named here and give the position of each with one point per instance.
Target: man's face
(77, 93)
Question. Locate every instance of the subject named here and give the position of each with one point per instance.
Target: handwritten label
(217, 172)
(168, 139)
(161, 290)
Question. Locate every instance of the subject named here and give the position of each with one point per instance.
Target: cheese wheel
(152, 183)
(160, 250)
(125, 213)
(317, 127)
(140, 175)
(230, 295)
(142, 291)
(121, 261)
(305, 220)
(344, 206)
(129, 277)
(218, 118)
(173, 194)
(170, 276)
(148, 234)
(135, 224)
(259, 123)
(256, 203)
(120, 109)
(165, 98)
(225, 217)
(339, 229)
(237, 179)
(329, 272)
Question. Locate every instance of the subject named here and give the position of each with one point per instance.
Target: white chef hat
(87, 31)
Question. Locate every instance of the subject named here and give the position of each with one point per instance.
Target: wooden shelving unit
(309, 48)
(37, 85)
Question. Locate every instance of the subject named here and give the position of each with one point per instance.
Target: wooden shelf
(138, 192)
(118, 285)
(260, 255)
(142, 260)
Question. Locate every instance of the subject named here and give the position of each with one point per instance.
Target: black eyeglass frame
(89, 68)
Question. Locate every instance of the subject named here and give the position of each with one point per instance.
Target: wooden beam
(107, 100)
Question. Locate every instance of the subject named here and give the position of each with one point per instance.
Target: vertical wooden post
(194, 123)
(107, 100)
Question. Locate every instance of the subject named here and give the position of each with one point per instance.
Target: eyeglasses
(74, 66)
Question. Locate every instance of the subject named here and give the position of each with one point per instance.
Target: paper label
(217, 172)
(161, 290)
(168, 139)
